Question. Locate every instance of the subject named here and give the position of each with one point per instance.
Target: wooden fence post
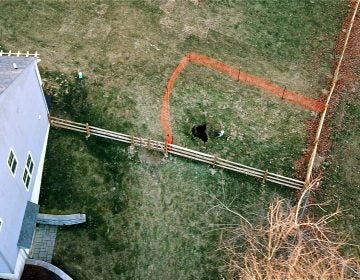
(214, 161)
(166, 149)
(87, 131)
(49, 119)
(265, 176)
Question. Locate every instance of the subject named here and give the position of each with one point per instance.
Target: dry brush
(285, 245)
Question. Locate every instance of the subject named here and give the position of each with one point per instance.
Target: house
(24, 129)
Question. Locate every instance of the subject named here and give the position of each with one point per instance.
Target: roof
(28, 225)
(8, 73)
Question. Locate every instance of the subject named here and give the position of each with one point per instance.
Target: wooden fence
(176, 150)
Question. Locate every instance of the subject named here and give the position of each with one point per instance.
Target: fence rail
(18, 53)
(177, 150)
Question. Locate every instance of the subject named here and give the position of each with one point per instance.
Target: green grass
(150, 218)
(266, 137)
(342, 183)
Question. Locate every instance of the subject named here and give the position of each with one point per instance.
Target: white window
(1, 223)
(28, 171)
(12, 162)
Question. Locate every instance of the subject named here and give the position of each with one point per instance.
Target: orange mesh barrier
(237, 75)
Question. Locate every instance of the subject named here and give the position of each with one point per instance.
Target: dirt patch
(347, 83)
(71, 25)
(98, 28)
(198, 31)
(150, 157)
(188, 23)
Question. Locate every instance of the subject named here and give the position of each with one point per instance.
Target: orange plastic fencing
(237, 75)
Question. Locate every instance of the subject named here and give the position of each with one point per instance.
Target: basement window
(28, 171)
(12, 162)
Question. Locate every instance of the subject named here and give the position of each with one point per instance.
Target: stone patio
(44, 242)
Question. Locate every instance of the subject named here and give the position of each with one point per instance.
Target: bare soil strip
(346, 83)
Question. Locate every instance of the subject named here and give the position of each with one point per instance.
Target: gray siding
(23, 127)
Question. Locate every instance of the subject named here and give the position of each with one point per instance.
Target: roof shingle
(8, 73)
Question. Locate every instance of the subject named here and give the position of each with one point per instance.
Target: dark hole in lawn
(200, 132)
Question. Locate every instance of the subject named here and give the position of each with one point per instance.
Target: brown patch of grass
(284, 246)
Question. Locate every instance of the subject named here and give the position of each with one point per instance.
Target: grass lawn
(342, 183)
(151, 218)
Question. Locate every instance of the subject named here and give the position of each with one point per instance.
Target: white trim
(40, 84)
(15, 158)
(8, 276)
(50, 267)
(19, 266)
(37, 183)
(38, 74)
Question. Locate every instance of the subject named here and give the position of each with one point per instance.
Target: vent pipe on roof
(15, 66)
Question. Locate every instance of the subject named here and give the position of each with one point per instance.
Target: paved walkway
(44, 243)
